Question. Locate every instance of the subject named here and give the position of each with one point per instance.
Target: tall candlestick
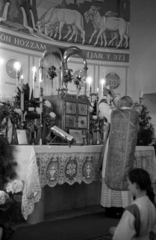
(97, 113)
(41, 96)
(41, 102)
(90, 89)
(34, 80)
(22, 93)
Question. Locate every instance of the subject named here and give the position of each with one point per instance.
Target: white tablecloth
(27, 170)
(50, 165)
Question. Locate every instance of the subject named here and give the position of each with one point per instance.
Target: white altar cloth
(38, 166)
(50, 165)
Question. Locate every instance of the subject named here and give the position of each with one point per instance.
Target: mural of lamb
(110, 23)
(63, 16)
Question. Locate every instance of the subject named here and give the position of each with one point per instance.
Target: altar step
(73, 213)
(66, 214)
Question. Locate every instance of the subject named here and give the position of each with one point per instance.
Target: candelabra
(96, 118)
(62, 91)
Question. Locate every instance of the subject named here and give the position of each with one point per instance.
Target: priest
(119, 146)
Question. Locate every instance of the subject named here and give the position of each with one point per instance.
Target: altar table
(50, 165)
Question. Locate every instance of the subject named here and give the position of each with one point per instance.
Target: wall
(142, 44)
(29, 28)
(102, 62)
(142, 65)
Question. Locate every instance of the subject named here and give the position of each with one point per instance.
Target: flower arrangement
(10, 187)
(97, 124)
(10, 199)
(30, 117)
(68, 76)
(52, 72)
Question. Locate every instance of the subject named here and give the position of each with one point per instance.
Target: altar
(42, 166)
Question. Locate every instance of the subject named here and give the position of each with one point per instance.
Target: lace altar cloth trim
(58, 168)
(32, 189)
(111, 198)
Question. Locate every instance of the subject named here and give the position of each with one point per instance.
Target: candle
(141, 94)
(97, 90)
(21, 82)
(17, 67)
(89, 81)
(103, 81)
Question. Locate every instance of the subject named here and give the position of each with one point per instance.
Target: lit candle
(89, 81)
(141, 94)
(17, 67)
(103, 81)
(97, 90)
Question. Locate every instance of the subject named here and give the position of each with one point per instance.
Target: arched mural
(100, 23)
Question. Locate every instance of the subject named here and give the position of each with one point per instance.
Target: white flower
(94, 117)
(3, 197)
(52, 114)
(14, 186)
(92, 104)
(31, 109)
(17, 110)
(47, 103)
(4, 121)
(38, 110)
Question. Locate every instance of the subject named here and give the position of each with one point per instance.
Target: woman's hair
(142, 178)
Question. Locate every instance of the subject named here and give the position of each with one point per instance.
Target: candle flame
(89, 80)
(34, 69)
(103, 81)
(1, 61)
(17, 66)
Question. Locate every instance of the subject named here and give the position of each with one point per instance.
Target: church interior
(67, 141)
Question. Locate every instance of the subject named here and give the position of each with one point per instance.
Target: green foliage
(146, 129)
(7, 165)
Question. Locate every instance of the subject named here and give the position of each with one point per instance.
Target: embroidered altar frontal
(71, 166)
(122, 142)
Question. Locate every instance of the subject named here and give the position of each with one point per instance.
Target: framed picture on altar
(22, 137)
(78, 135)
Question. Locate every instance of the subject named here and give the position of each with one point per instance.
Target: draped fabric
(121, 148)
